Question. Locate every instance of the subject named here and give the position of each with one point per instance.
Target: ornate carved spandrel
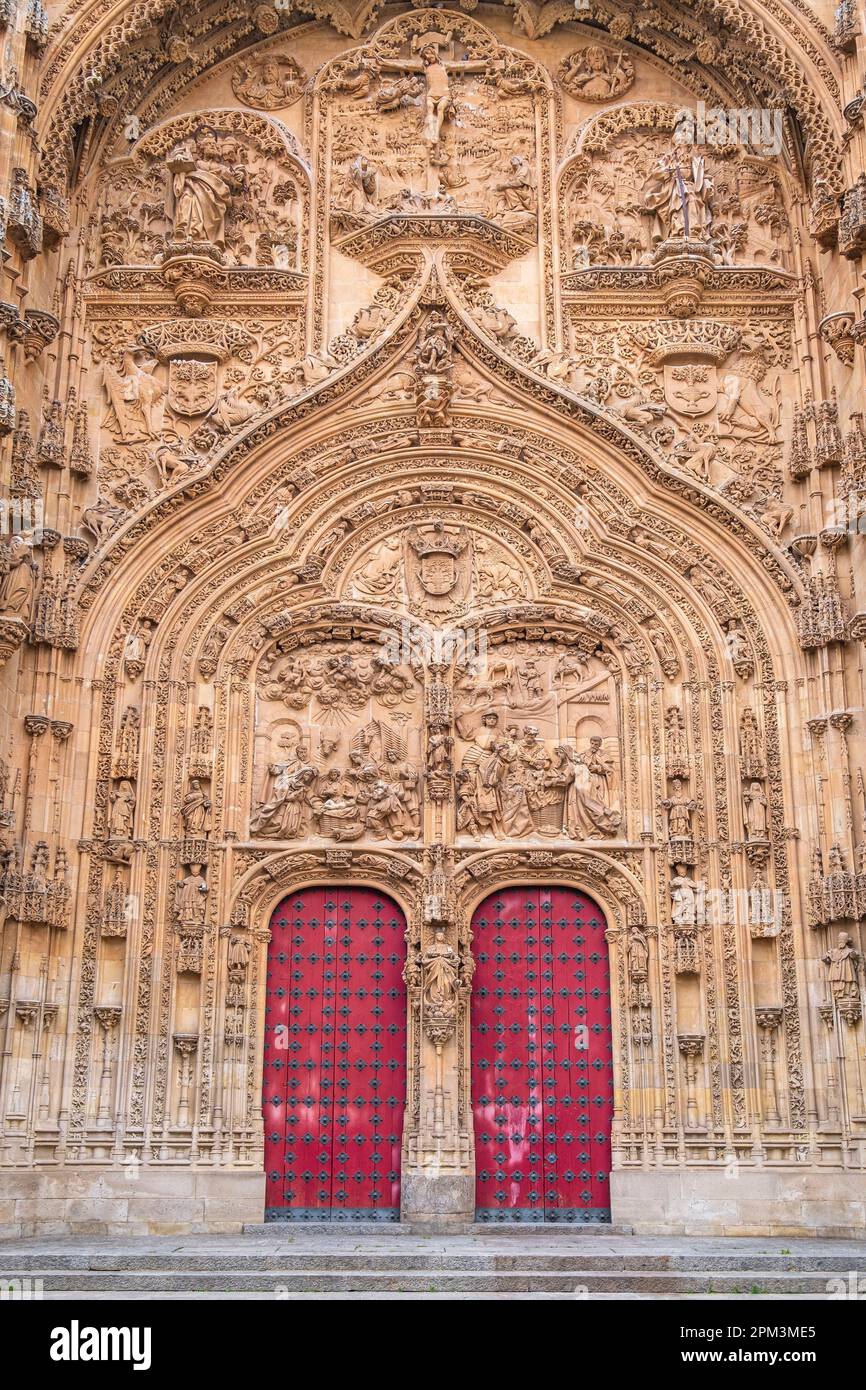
(173, 390)
(594, 74)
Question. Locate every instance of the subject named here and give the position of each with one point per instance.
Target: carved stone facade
(433, 459)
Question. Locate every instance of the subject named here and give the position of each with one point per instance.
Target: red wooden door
(335, 1056)
(542, 1063)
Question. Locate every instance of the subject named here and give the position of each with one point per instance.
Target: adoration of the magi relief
(433, 459)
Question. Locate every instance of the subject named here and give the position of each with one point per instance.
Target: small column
(187, 1045)
(108, 1019)
(768, 1021)
(691, 1046)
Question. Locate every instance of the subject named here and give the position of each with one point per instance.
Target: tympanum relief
(437, 570)
(624, 197)
(432, 118)
(338, 746)
(537, 749)
(216, 183)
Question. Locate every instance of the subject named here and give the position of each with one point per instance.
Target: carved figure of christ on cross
(436, 71)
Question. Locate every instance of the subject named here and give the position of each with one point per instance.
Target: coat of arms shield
(192, 385)
(691, 387)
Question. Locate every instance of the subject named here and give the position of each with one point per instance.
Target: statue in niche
(589, 74)
(126, 757)
(135, 649)
(198, 194)
(755, 812)
(638, 953)
(843, 963)
(679, 808)
(122, 811)
(195, 810)
(678, 195)
(440, 971)
(18, 585)
(664, 648)
(439, 746)
(737, 642)
(189, 899)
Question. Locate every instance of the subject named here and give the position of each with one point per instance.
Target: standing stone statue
(843, 964)
(439, 964)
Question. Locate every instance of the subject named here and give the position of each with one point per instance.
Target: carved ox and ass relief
(444, 516)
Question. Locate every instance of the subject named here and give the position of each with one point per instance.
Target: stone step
(129, 1261)
(421, 1280)
(89, 1296)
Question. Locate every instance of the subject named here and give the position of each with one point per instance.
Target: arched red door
(542, 1063)
(334, 1083)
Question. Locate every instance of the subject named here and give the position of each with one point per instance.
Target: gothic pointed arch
(434, 454)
